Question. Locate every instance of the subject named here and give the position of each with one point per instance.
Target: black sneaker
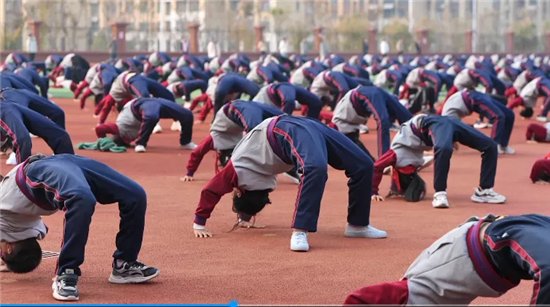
(132, 273)
(64, 286)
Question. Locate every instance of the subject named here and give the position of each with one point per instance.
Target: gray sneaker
(64, 286)
(132, 273)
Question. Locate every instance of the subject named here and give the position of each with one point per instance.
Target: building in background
(163, 24)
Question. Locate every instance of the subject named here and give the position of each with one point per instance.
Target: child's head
(21, 256)
(249, 203)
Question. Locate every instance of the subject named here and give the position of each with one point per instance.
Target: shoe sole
(441, 206)
(362, 235)
(131, 280)
(59, 297)
(485, 201)
(299, 250)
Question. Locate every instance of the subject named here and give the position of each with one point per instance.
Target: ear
(237, 192)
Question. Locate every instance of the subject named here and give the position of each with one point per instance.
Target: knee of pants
(445, 151)
(318, 172)
(491, 149)
(364, 167)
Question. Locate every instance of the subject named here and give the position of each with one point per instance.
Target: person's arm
(221, 184)
(387, 159)
(104, 108)
(196, 157)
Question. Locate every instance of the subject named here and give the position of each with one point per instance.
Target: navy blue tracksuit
(233, 83)
(75, 184)
(501, 117)
(33, 77)
(518, 248)
(34, 102)
(150, 110)
(249, 114)
(384, 107)
(310, 146)
(441, 132)
(17, 121)
(285, 94)
(141, 86)
(8, 79)
(185, 88)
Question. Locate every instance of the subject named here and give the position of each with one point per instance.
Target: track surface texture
(255, 266)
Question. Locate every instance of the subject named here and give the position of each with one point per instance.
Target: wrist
(198, 227)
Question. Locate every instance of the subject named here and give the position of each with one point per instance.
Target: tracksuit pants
(311, 146)
(443, 136)
(145, 87)
(501, 117)
(79, 183)
(385, 113)
(152, 111)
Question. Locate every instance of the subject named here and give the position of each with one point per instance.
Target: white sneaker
(139, 148)
(506, 150)
(487, 196)
(363, 129)
(176, 126)
(298, 241)
(542, 119)
(32, 135)
(428, 160)
(157, 129)
(295, 178)
(189, 146)
(12, 159)
(440, 200)
(364, 232)
(480, 125)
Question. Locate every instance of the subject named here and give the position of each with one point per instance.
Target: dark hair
(527, 112)
(250, 203)
(25, 256)
(225, 156)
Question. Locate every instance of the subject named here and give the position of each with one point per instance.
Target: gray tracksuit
(529, 93)
(128, 124)
(119, 89)
(19, 217)
(225, 133)
(408, 147)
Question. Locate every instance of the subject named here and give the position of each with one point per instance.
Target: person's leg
(109, 186)
(159, 91)
(354, 137)
(102, 130)
(343, 155)
(499, 131)
(309, 154)
(383, 123)
(474, 139)
(181, 114)
(48, 109)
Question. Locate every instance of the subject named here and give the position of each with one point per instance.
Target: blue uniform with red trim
(518, 248)
(34, 102)
(8, 79)
(33, 77)
(151, 110)
(501, 117)
(371, 100)
(74, 184)
(441, 132)
(311, 146)
(233, 83)
(284, 95)
(141, 86)
(249, 114)
(16, 122)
